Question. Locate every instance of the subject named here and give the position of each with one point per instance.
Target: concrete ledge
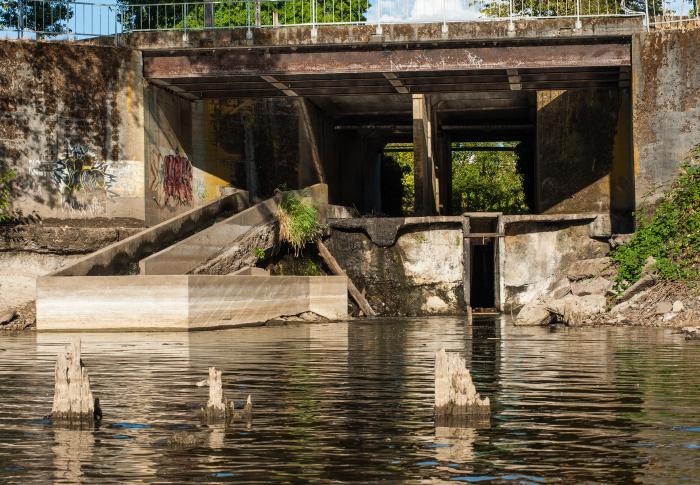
(383, 231)
(330, 35)
(115, 256)
(162, 303)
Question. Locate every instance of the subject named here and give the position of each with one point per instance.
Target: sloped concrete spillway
(187, 285)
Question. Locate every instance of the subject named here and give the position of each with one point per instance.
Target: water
(353, 402)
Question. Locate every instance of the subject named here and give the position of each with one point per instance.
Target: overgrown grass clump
(299, 221)
(5, 196)
(671, 235)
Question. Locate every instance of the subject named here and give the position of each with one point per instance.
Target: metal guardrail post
(258, 14)
(249, 32)
(444, 18)
(578, 25)
(314, 19)
(646, 15)
(208, 15)
(379, 19)
(20, 18)
(511, 24)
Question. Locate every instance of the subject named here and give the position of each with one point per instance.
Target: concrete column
(443, 156)
(423, 161)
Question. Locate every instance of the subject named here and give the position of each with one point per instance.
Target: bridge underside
(224, 73)
(564, 101)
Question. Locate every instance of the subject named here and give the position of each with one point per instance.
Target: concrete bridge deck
(412, 58)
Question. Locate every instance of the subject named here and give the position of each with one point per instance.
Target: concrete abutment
(601, 121)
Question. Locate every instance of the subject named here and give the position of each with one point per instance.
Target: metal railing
(66, 19)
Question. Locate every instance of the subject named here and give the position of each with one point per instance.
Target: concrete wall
(245, 143)
(156, 303)
(538, 250)
(666, 93)
(421, 274)
(582, 137)
(53, 95)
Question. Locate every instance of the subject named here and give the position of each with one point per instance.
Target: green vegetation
(397, 171)
(260, 253)
(299, 221)
(487, 181)
(500, 8)
(671, 234)
(238, 13)
(50, 17)
(5, 196)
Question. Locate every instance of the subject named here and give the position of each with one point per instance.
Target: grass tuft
(299, 221)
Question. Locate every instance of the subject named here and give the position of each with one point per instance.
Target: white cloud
(423, 10)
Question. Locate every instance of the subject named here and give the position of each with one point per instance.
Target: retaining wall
(53, 95)
(161, 303)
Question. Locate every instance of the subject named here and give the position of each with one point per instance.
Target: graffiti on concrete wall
(80, 171)
(171, 179)
(79, 176)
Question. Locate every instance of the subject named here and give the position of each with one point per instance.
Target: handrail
(69, 19)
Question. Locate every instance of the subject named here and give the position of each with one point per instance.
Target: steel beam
(236, 62)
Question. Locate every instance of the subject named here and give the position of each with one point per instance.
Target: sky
(423, 10)
(391, 11)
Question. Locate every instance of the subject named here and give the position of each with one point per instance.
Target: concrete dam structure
(192, 133)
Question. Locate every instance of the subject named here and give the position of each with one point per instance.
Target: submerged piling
(73, 402)
(219, 408)
(455, 395)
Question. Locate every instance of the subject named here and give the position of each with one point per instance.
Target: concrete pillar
(425, 182)
(443, 157)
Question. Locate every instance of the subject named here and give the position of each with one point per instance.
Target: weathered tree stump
(455, 395)
(73, 402)
(218, 407)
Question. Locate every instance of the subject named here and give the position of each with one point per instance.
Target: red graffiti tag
(177, 180)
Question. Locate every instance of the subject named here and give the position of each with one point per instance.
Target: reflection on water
(354, 402)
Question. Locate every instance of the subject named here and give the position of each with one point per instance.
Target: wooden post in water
(218, 407)
(455, 394)
(352, 289)
(73, 402)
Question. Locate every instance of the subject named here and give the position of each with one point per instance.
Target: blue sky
(88, 21)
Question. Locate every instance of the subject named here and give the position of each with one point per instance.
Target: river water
(353, 402)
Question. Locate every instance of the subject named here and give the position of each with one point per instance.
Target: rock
(593, 286)
(669, 316)
(691, 333)
(644, 283)
(561, 291)
(649, 266)
(186, 439)
(573, 310)
(7, 316)
(663, 307)
(678, 306)
(588, 268)
(533, 314)
(620, 240)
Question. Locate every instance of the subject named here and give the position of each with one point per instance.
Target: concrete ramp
(118, 258)
(229, 245)
(165, 297)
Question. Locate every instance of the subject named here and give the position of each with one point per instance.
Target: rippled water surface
(353, 402)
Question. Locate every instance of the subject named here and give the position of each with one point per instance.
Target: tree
(49, 17)
(561, 8)
(155, 14)
(487, 181)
